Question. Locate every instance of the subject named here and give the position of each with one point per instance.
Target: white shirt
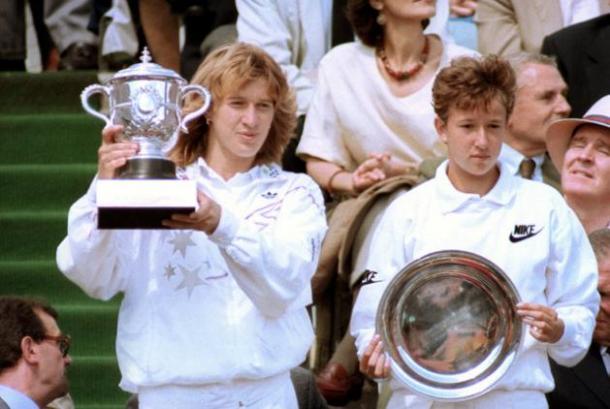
(512, 158)
(605, 358)
(354, 113)
(575, 11)
(15, 399)
(554, 267)
(198, 309)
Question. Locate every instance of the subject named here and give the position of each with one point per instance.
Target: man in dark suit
(587, 385)
(33, 354)
(583, 55)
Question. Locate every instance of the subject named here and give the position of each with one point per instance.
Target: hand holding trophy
(145, 99)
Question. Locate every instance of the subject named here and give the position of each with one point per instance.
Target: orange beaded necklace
(409, 72)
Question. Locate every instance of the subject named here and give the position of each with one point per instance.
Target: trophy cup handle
(207, 100)
(84, 99)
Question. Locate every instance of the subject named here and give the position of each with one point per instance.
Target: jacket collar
(451, 199)
(257, 173)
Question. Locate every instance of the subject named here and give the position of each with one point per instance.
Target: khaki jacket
(507, 27)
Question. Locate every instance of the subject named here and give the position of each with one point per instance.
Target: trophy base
(148, 168)
(142, 204)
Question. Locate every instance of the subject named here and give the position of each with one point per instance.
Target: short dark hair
(19, 319)
(600, 241)
(469, 83)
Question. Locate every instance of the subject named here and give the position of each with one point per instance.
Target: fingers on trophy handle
(86, 94)
(207, 100)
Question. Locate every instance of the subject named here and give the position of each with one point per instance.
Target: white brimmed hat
(560, 132)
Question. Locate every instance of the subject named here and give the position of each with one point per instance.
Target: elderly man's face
(586, 165)
(539, 100)
(602, 327)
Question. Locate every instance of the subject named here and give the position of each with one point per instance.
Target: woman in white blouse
(371, 116)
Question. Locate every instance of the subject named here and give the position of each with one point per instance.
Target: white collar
(16, 399)
(258, 172)
(451, 199)
(512, 159)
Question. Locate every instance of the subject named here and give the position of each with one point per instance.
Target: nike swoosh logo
(517, 239)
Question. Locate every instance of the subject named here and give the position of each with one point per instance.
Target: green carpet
(48, 149)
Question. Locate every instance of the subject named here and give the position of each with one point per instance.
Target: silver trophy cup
(147, 100)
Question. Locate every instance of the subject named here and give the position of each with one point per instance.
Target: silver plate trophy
(448, 321)
(147, 99)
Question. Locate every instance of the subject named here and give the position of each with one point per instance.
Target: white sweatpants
(499, 399)
(275, 392)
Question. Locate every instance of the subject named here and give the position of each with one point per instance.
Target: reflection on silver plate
(448, 321)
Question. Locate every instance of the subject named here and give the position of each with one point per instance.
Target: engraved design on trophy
(146, 99)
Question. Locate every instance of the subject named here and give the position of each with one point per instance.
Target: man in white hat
(580, 148)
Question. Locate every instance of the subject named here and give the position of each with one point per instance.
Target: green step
(91, 322)
(95, 381)
(31, 235)
(40, 279)
(102, 406)
(57, 92)
(91, 326)
(43, 187)
(49, 138)
(48, 155)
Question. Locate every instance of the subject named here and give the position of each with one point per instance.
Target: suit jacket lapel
(598, 58)
(592, 373)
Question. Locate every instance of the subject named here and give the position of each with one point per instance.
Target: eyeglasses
(63, 342)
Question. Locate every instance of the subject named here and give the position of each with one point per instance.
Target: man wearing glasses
(33, 354)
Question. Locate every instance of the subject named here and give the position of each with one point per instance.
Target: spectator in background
(67, 21)
(587, 385)
(540, 99)
(580, 148)
(387, 126)
(298, 33)
(583, 56)
(33, 354)
(506, 27)
(13, 51)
